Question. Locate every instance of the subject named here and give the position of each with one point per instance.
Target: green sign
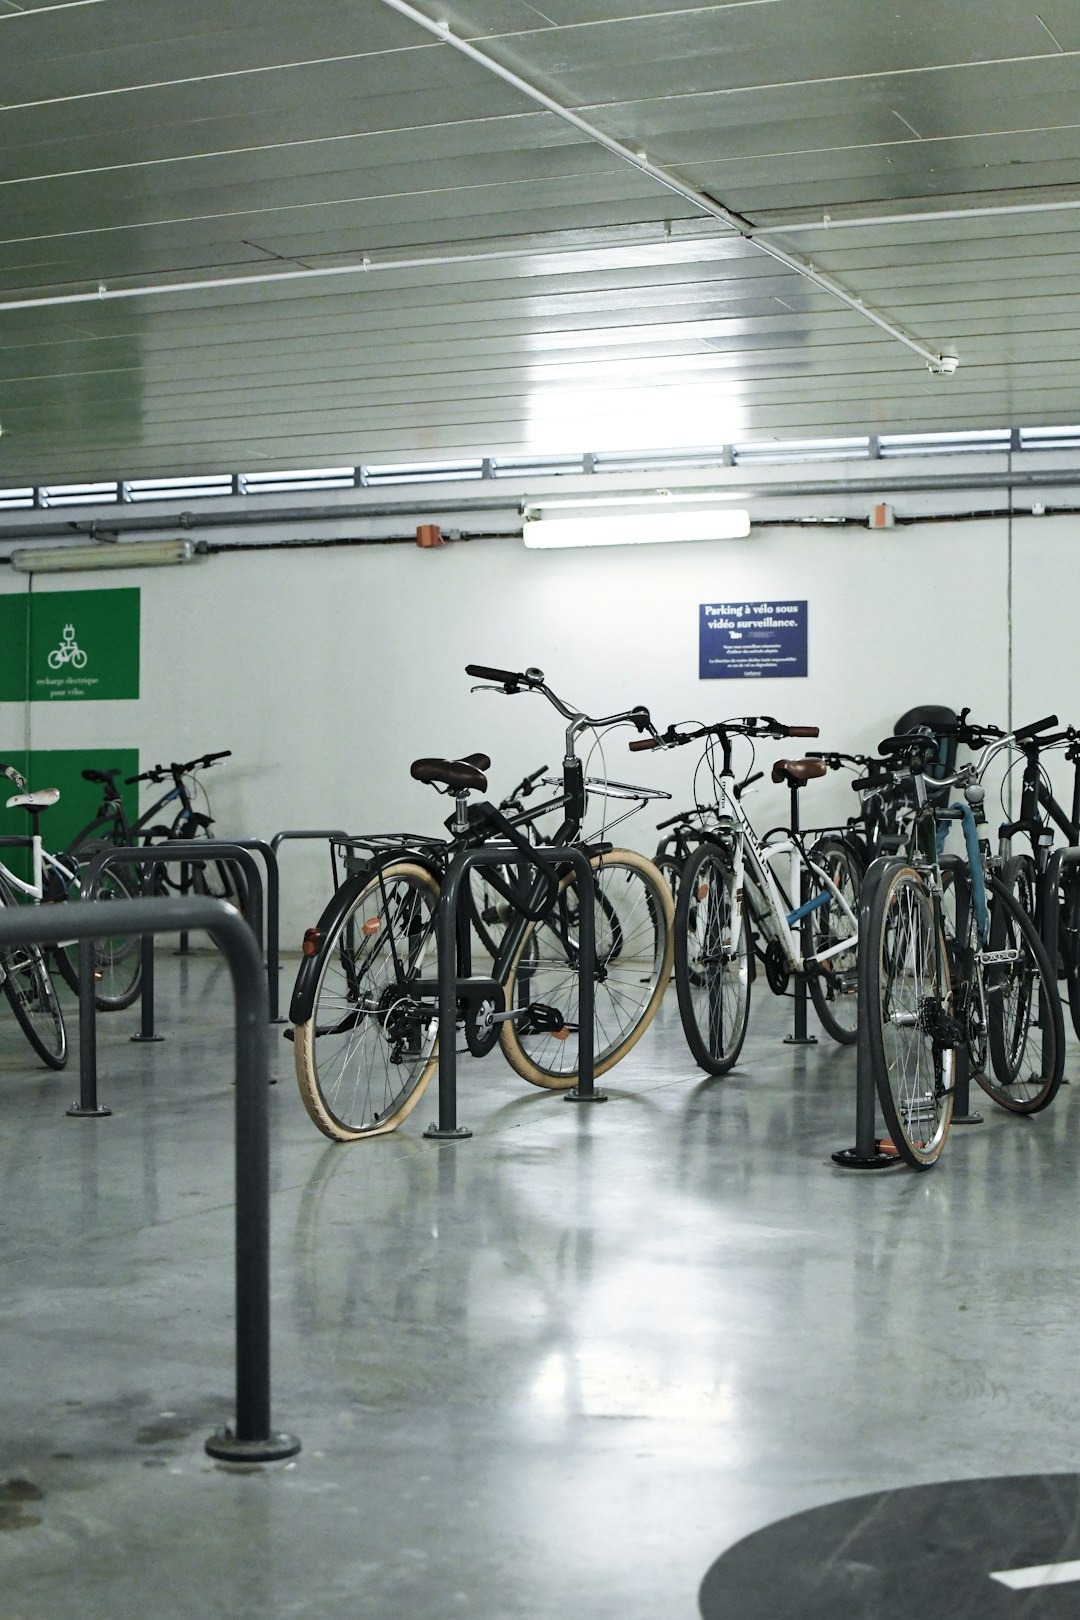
(69, 645)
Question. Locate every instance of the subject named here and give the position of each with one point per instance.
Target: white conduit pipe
(929, 216)
(937, 362)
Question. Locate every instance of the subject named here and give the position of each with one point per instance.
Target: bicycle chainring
(777, 970)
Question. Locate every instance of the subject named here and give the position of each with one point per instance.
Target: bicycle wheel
(117, 959)
(908, 1014)
(634, 923)
(713, 958)
(33, 998)
(671, 870)
(834, 985)
(488, 912)
(370, 1047)
(1025, 1029)
(1069, 938)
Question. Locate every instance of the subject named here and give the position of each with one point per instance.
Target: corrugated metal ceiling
(584, 306)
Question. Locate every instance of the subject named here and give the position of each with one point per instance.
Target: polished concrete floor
(552, 1371)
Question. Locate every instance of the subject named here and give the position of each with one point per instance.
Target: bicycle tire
(712, 980)
(117, 960)
(364, 1056)
(834, 987)
(1025, 1027)
(32, 997)
(671, 869)
(908, 983)
(634, 946)
(1069, 939)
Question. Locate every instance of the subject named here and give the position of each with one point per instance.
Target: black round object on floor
(928, 1552)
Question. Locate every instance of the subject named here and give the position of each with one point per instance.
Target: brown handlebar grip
(639, 743)
(804, 731)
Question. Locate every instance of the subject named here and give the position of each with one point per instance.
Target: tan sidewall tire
(303, 1044)
(508, 1040)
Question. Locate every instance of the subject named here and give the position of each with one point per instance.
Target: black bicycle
(112, 827)
(365, 1005)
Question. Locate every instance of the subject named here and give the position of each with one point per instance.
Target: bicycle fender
(334, 914)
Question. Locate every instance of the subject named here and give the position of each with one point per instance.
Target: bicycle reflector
(312, 938)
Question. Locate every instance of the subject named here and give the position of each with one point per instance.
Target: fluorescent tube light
(635, 528)
(108, 554)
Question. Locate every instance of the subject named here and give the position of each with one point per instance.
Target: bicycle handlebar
(160, 772)
(532, 680)
(750, 725)
(1022, 733)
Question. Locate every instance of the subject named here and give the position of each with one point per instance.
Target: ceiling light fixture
(631, 528)
(110, 554)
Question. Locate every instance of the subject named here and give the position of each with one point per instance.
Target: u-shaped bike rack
(253, 1439)
(453, 888)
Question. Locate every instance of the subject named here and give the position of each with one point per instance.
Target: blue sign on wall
(749, 640)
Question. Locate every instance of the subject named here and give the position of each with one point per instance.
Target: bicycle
(365, 1006)
(25, 975)
(116, 965)
(682, 836)
(736, 909)
(112, 827)
(937, 982)
(1039, 813)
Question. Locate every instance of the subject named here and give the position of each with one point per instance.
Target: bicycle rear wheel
(634, 921)
(834, 985)
(713, 960)
(909, 1005)
(369, 1048)
(117, 959)
(1025, 1029)
(1069, 938)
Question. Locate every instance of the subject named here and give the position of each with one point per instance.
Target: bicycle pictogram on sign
(68, 652)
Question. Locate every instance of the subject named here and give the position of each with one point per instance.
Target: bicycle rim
(634, 944)
(910, 993)
(368, 1050)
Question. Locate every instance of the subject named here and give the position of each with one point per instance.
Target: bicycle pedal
(540, 1019)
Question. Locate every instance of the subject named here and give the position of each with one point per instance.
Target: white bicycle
(743, 900)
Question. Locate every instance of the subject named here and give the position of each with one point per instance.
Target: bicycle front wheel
(369, 1048)
(633, 912)
(908, 1016)
(713, 956)
(834, 984)
(33, 998)
(1025, 1029)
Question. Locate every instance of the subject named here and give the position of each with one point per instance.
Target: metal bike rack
(273, 927)
(146, 857)
(254, 1439)
(448, 964)
(209, 848)
(866, 1154)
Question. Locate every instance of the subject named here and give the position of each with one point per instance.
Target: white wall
(327, 671)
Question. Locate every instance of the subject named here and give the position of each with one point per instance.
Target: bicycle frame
(779, 917)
